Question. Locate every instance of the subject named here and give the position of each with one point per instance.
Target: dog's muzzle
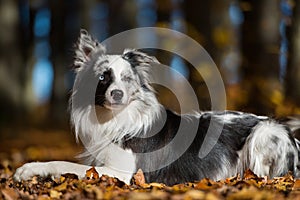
(117, 95)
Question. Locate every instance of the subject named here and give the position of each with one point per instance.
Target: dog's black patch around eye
(105, 77)
(102, 87)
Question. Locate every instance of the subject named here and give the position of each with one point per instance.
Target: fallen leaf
(139, 178)
(69, 175)
(194, 194)
(296, 185)
(97, 193)
(55, 194)
(250, 175)
(206, 184)
(61, 187)
(9, 194)
(157, 185)
(34, 180)
(254, 193)
(92, 173)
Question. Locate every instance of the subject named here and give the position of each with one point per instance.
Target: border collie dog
(124, 128)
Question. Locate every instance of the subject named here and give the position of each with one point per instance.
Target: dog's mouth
(114, 105)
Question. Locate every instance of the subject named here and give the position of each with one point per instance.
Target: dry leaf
(61, 187)
(55, 194)
(206, 184)
(296, 185)
(249, 175)
(92, 173)
(139, 178)
(194, 194)
(9, 194)
(157, 185)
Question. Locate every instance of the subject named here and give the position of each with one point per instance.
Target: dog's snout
(117, 95)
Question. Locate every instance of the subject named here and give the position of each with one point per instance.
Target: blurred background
(255, 45)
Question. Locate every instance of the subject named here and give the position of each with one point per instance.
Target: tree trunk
(293, 76)
(12, 67)
(260, 65)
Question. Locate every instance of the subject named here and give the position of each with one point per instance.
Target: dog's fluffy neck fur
(97, 130)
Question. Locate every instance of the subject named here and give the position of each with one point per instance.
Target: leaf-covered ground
(69, 187)
(94, 186)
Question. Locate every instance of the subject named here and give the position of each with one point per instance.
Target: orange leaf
(139, 178)
(92, 173)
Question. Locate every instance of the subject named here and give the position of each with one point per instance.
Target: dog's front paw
(29, 170)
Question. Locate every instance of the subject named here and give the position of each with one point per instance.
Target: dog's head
(122, 79)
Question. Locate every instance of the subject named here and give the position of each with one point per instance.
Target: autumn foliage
(94, 186)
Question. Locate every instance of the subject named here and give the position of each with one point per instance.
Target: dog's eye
(101, 77)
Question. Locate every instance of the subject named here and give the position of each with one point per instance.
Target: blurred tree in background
(255, 44)
(260, 51)
(293, 75)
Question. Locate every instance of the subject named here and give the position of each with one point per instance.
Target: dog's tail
(294, 124)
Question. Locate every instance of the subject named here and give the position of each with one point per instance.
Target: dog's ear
(85, 47)
(136, 58)
(141, 63)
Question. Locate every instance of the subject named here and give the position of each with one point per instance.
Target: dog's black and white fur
(123, 121)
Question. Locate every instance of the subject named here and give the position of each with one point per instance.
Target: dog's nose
(117, 95)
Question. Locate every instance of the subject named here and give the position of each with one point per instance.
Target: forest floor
(36, 145)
